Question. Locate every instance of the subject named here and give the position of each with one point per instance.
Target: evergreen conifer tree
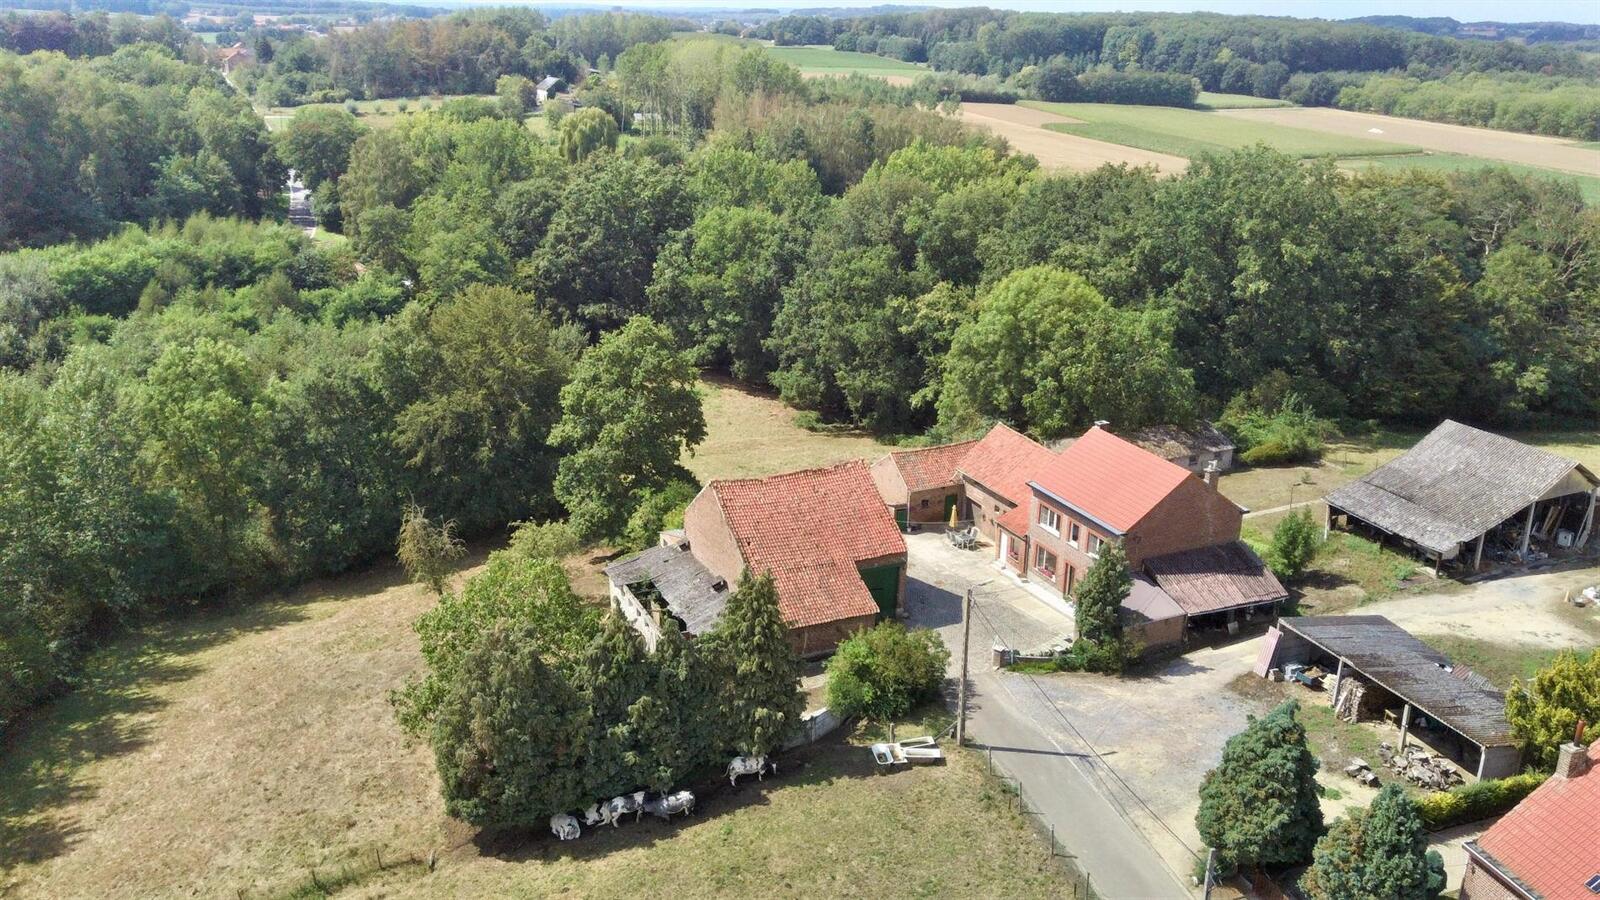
(760, 702)
(1377, 852)
(676, 721)
(1260, 805)
(614, 675)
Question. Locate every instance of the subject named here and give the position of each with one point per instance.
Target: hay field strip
(1190, 132)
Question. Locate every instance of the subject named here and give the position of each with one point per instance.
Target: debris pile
(1362, 772)
(1421, 767)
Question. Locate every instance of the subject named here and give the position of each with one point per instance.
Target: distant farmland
(828, 61)
(1190, 132)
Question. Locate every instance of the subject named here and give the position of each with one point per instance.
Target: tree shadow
(107, 713)
(827, 761)
(931, 606)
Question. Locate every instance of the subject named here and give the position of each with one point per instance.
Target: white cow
(598, 814)
(565, 827)
(670, 805)
(750, 765)
(626, 803)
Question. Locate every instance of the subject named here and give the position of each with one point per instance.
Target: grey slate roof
(1216, 578)
(1454, 485)
(1383, 652)
(689, 589)
(1173, 441)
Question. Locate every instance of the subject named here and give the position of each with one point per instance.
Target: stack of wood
(1355, 703)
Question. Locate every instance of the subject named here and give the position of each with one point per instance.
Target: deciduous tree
(1544, 712)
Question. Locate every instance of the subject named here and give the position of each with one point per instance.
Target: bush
(1290, 433)
(883, 672)
(1294, 543)
(1479, 800)
(1148, 88)
(658, 511)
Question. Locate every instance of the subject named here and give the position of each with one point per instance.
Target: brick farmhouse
(1049, 514)
(833, 550)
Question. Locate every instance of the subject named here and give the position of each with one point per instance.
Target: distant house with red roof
(830, 544)
(235, 57)
(1549, 845)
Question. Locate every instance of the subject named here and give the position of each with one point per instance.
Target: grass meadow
(1190, 132)
(1455, 162)
(1213, 100)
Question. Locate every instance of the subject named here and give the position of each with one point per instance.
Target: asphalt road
(1027, 738)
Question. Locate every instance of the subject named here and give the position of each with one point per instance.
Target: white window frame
(1040, 553)
(1072, 535)
(1045, 511)
(1094, 545)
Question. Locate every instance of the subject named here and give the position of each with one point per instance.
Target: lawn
(753, 433)
(1210, 100)
(247, 751)
(1190, 132)
(1454, 162)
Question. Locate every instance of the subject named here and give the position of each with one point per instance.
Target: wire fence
(1056, 853)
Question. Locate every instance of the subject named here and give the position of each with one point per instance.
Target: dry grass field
(1506, 146)
(752, 433)
(251, 751)
(1024, 128)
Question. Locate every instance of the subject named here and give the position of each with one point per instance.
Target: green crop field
(1452, 162)
(1209, 100)
(1190, 132)
(828, 61)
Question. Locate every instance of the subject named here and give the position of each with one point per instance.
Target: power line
(1095, 752)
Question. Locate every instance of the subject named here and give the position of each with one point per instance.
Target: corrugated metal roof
(1212, 579)
(1383, 652)
(1454, 485)
(689, 590)
(1151, 602)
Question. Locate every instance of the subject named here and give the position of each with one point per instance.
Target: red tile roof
(931, 467)
(1551, 840)
(1015, 520)
(1110, 479)
(1004, 461)
(809, 529)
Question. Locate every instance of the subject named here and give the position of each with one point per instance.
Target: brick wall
(886, 476)
(1193, 515)
(986, 506)
(710, 541)
(1071, 561)
(1480, 883)
(927, 507)
(820, 640)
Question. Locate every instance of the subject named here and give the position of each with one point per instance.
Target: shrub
(1544, 712)
(659, 510)
(1294, 543)
(883, 672)
(1290, 433)
(1479, 800)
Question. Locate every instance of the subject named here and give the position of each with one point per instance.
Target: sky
(1580, 11)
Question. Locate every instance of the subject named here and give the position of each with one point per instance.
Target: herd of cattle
(608, 812)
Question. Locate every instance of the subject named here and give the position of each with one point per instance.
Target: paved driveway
(1024, 728)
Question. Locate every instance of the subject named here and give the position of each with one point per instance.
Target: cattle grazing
(670, 805)
(750, 765)
(627, 803)
(598, 814)
(564, 827)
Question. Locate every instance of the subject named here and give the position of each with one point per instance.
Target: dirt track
(1529, 149)
(1024, 128)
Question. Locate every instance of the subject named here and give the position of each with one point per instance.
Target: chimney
(1102, 423)
(1209, 476)
(1573, 760)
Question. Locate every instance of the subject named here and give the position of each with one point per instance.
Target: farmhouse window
(1094, 544)
(1072, 535)
(1045, 562)
(1050, 520)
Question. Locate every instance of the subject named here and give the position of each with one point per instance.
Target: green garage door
(901, 517)
(884, 584)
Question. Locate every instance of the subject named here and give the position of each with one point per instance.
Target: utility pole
(961, 688)
(1211, 861)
